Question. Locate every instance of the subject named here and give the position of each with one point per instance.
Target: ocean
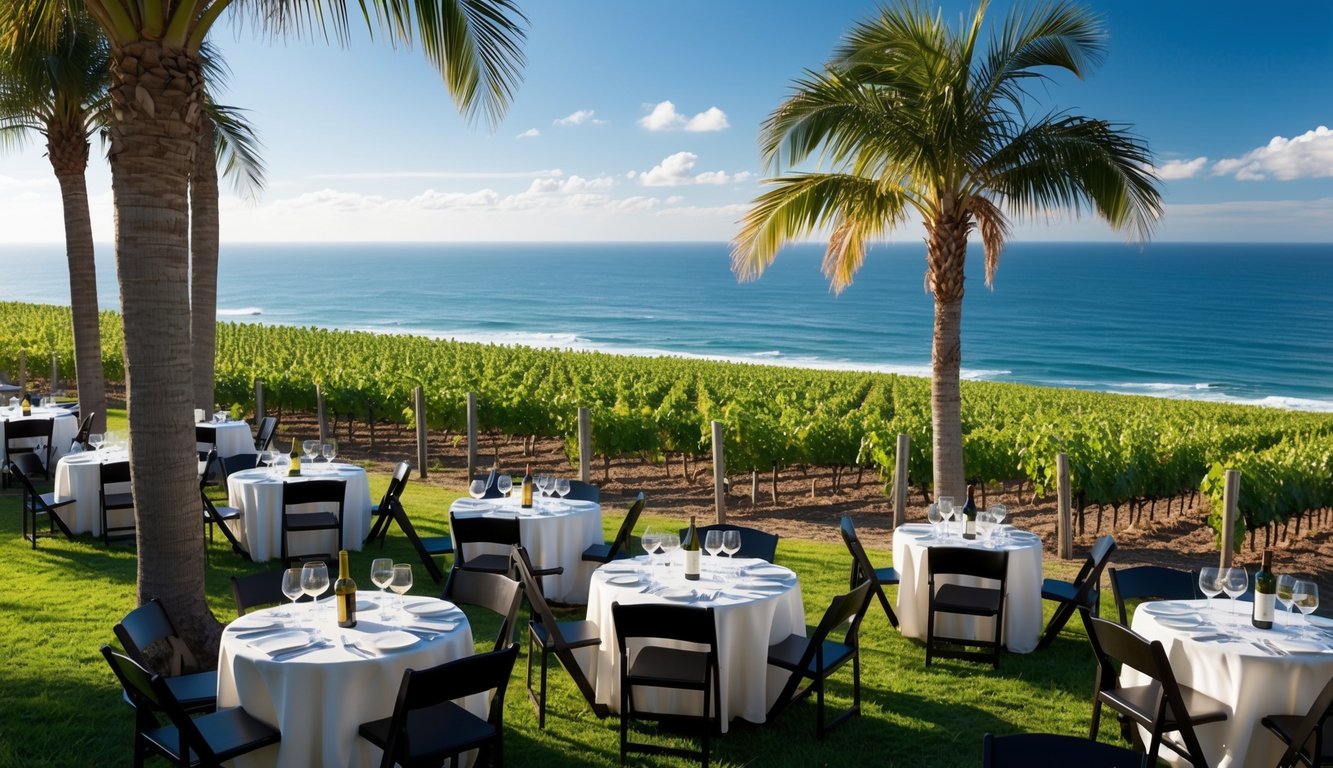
(1245, 323)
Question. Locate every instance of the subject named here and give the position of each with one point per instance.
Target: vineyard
(1126, 453)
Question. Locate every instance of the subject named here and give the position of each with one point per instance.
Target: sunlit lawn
(62, 706)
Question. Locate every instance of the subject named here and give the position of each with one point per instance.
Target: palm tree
(156, 104)
(59, 92)
(914, 120)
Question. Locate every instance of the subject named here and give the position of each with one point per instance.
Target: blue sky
(638, 121)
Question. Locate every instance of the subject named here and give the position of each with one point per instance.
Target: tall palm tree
(156, 104)
(912, 119)
(59, 91)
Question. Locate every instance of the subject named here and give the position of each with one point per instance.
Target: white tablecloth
(79, 476)
(318, 699)
(1251, 680)
(555, 532)
(747, 623)
(1022, 609)
(232, 437)
(258, 494)
(64, 429)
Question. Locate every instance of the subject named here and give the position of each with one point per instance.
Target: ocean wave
(241, 312)
(1209, 393)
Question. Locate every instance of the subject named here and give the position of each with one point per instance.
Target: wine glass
(291, 588)
(1286, 584)
(562, 486)
(476, 489)
(1305, 596)
(310, 448)
(986, 529)
(1234, 582)
(330, 450)
(936, 518)
(314, 579)
(650, 540)
(1210, 583)
(401, 582)
(731, 542)
(713, 542)
(998, 513)
(266, 458)
(545, 483)
(670, 544)
(504, 484)
(381, 574)
(96, 440)
(945, 505)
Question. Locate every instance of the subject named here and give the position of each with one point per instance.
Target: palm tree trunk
(155, 101)
(204, 265)
(67, 148)
(946, 255)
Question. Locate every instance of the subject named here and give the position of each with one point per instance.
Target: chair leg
(888, 608)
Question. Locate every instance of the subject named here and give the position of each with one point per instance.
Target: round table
(258, 494)
(1022, 611)
(1226, 657)
(555, 532)
(79, 477)
(751, 615)
(317, 699)
(63, 430)
(231, 438)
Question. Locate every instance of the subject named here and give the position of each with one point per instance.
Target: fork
(352, 647)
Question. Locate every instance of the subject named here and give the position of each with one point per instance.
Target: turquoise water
(1242, 323)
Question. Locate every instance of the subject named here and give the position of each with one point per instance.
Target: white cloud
(1308, 156)
(711, 119)
(573, 185)
(580, 117)
(664, 117)
(365, 175)
(432, 200)
(1174, 170)
(678, 170)
(530, 133)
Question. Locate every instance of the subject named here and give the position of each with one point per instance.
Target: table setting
(293, 667)
(63, 429)
(911, 551)
(258, 494)
(78, 476)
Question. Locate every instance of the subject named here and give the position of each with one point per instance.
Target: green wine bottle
(690, 546)
(1265, 593)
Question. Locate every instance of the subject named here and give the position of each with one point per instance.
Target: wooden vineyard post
(419, 411)
(585, 444)
(259, 401)
(719, 473)
(471, 435)
(1230, 511)
(900, 480)
(1064, 534)
(23, 370)
(319, 410)
(54, 385)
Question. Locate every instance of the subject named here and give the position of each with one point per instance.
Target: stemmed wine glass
(504, 484)
(986, 529)
(266, 458)
(562, 486)
(1286, 584)
(713, 542)
(1210, 583)
(292, 589)
(998, 513)
(1234, 582)
(96, 440)
(945, 506)
(381, 575)
(314, 579)
(731, 542)
(547, 484)
(1305, 596)
(401, 583)
(650, 540)
(476, 489)
(311, 449)
(670, 543)
(936, 518)
(330, 450)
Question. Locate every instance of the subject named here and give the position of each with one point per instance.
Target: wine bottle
(690, 546)
(527, 488)
(1265, 593)
(344, 591)
(26, 405)
(295, 469)
(970, 513)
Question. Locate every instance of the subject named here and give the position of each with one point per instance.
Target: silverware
(1274, 648)
(294, 652)
(353, 648)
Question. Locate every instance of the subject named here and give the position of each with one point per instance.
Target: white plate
(1169, 609)
(429, 607)
(254, 623)
(1179, 622)
(677, 593)
(775, 572)
(623, 580)
(761, 584)
(282, 641)
(1321, 621)
(1299, 645)
(391, 641)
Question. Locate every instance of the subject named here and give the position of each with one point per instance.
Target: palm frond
(237, 145)
(994, 232)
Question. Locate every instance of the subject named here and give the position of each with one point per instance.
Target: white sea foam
(241, 312)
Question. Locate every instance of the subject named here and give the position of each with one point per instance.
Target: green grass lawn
(63, 707)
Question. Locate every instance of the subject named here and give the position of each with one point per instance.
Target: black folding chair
(500, 531)
(1026, 750)
(646, 664)
(1080, 594)
(208, 740)
(427, 727)
(947, 596)
(268, 426)
(382, 513)
(205, 439)
(754, 542)
(36, 504)
(581, 491)
(619, 546)
(1149, 582)
(1309, 737)
(36, 436)
(328, 492)
(254, 590)
(115, 473)
(1161, 705)
(148, 629)
(816, 658)
(498, 594)
(863, 570)
(81, 437)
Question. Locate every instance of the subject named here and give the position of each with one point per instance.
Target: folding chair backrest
(1149, 582)
(23, 466)
(256, 589)
(85, 428)
(478, 673)
(533, 589)
(136, 680)
(965, 561)
(396, 485)
(754, 542)
(238, 463)
(314, 492)
(844, 610)
(496, 593)
(863, 569)
(148, 625)
(27, 429)
(621, 542)
(267, 426)
(681, 623)
(1320, 711)
(480, 529)
(581, 491)
(113, 472)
